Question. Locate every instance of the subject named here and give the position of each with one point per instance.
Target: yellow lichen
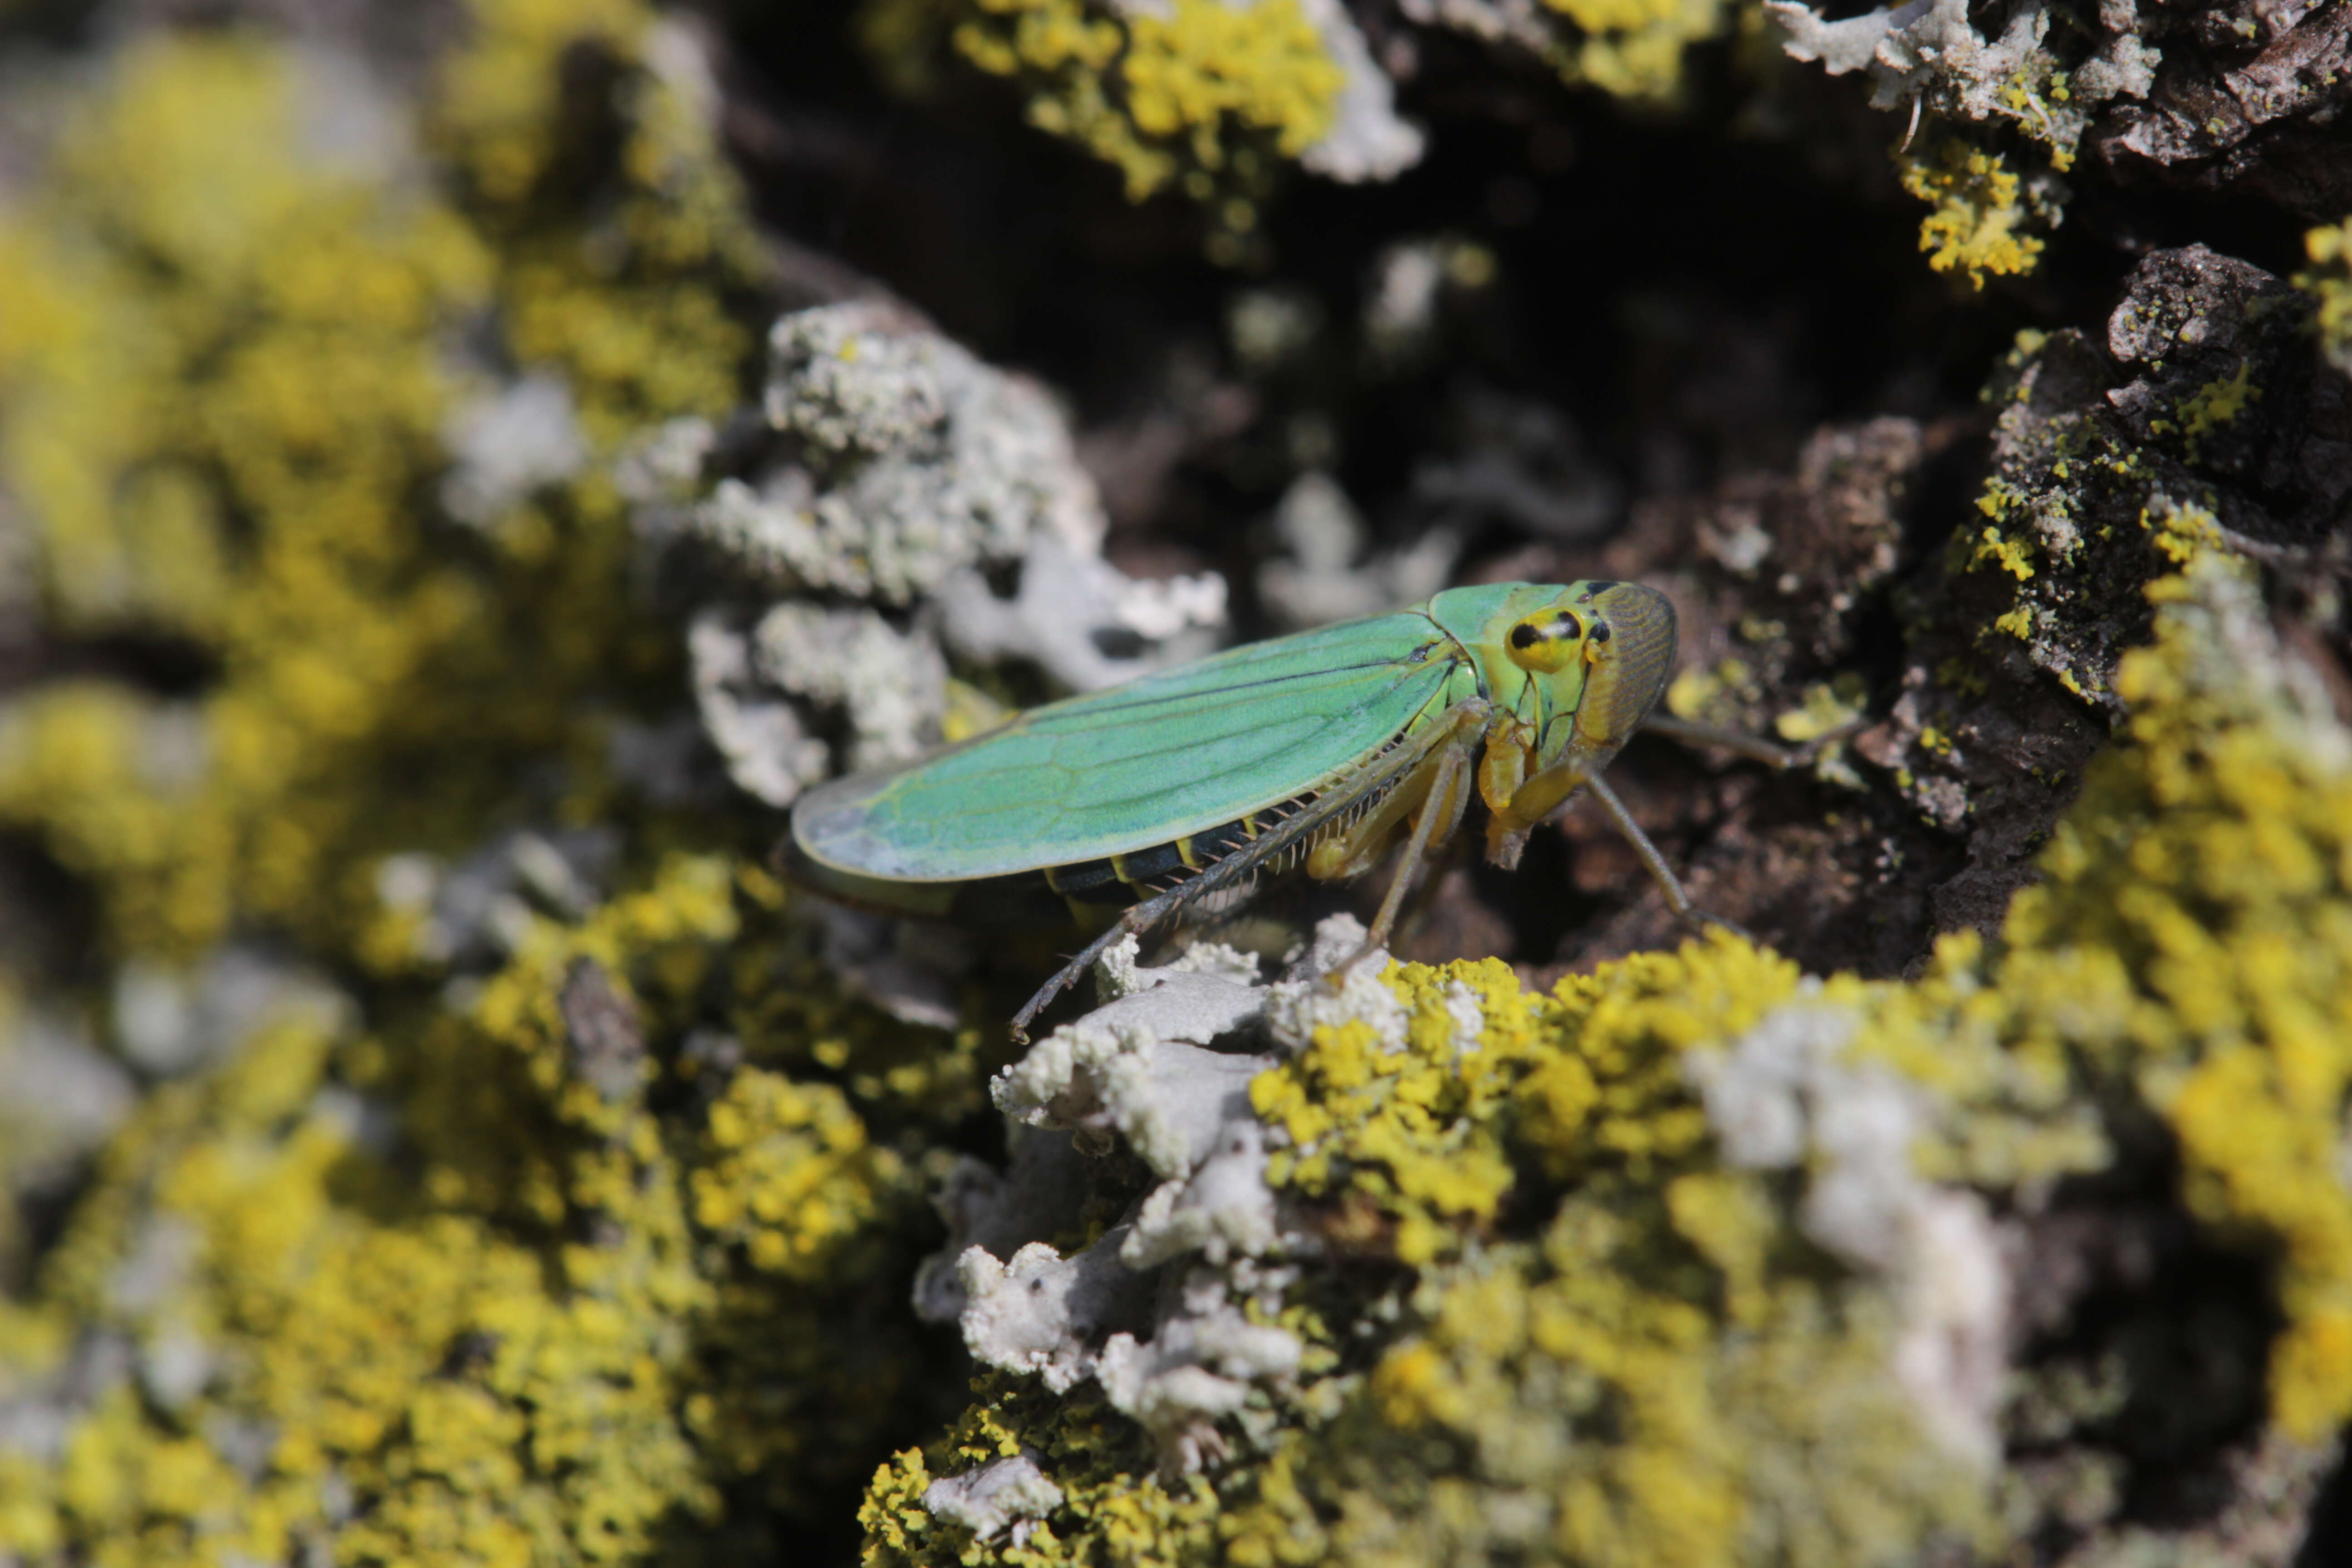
(136, 430)
(1624, 1375)
(512, 1338)
(2216, 404)
(1830, 706)
(454, 1294)
(1412, 1128)
(223, 423)
(2191, 942)
(1979, 221)
(1696, 692)
(1210, 97)
(1114, 1508)
(1634, 49)
(2329, 282)
(784, 1155)
(2013, 556)
(1199, 95)
(2194, 930)
(2180, 532)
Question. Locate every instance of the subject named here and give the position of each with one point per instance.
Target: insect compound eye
(1545, 642)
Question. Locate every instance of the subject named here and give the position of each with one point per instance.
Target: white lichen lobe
(1790, 1094)
(1167, 1309)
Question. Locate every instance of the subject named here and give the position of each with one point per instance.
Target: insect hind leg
(1463, 718)
(1443, 798)
(1137, 918)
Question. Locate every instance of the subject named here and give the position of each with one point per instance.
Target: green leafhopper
(1320, 748)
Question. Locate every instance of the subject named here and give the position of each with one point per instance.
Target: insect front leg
(1531, 802)
(1548, 791)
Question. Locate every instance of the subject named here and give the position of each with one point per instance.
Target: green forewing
(1141, 764)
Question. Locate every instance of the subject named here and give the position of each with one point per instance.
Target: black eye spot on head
(1601, 587)
(1600, 631)
(1546, 641)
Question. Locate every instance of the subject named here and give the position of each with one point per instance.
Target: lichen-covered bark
(465, 469)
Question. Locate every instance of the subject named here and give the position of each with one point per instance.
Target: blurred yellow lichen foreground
(550, 1331)
(415, 1287)
(221, 411)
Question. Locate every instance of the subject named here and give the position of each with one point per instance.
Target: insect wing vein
(1140, 765)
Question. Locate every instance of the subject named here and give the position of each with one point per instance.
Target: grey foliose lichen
(62, 1098)
(2241, 95)
(509, 442)
(1789, 1095)
(1366, 139)
(1927, 55)
(1171, 1310)
(894, 505)
(1010, 1494)
(907, 461)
